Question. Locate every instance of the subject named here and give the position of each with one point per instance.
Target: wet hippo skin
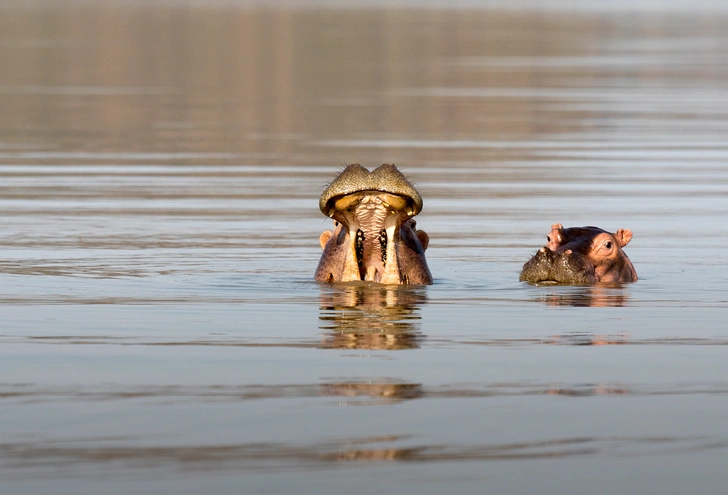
(581, 256)
(375, 238)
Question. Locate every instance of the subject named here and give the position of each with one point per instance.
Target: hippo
(375, 238)
(581, 256)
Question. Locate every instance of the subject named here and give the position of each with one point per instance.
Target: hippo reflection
(369, 316)
(580, 256)
(594, 295)
(375, 237)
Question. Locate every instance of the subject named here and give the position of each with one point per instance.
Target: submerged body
(580, 256)
(374, 237)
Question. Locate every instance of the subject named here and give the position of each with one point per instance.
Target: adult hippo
(375, 237)
(580, 256)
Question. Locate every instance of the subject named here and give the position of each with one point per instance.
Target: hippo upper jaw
(565, 267)
(375, 238)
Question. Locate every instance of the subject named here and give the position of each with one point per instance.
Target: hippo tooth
(383, 245)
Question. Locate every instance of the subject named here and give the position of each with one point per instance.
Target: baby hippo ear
(424, 239)
(324, 238)
(623, 236)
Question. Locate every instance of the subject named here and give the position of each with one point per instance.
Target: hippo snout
(565, 267)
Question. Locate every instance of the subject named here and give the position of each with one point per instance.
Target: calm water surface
(160, 331)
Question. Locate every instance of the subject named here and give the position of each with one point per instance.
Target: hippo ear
(424, 239)
(623, 236)
(324, 238)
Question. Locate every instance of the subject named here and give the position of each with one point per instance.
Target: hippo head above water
(375, 237)
(581, 256)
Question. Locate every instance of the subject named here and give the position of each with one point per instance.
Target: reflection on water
(602, 296)
(583, 338)
(385, 389)
(372, 391)
(61, 457)
(371, 316)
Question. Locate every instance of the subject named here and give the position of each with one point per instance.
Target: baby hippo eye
(548, 238)
(608, 244)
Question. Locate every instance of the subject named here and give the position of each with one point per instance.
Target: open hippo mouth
(375, 238)
(550, 267)
(374, 218)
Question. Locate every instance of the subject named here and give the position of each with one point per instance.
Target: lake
(160, 168)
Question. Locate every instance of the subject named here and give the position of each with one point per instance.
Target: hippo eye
(336, 224)
(548, 238)
(608, 244)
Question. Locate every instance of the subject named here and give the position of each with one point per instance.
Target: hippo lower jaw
(371, 234)
(549, 267)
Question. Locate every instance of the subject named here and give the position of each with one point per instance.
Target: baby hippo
(580, 256)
